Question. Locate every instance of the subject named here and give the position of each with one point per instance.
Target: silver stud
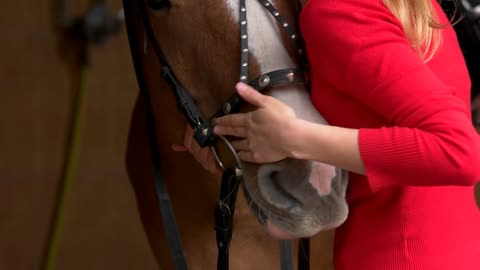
(244, 64)
(243, 9)
(285, 24)
(243, 78)
(276, 14)
(244, 36)
(290, 76)
(267, 4)
(264, 80)
(205, 132)
(244, 22)
(245, 50)
(294, 36)
(227, 108)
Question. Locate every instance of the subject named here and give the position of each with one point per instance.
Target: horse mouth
(269, 224)
(289, 204)
(268, 215)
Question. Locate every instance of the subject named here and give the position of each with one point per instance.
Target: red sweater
(415, 209)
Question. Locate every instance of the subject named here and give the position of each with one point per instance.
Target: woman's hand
(266, 132)
(204, 156)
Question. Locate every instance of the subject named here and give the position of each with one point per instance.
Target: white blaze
(264, 36)
(266, 46)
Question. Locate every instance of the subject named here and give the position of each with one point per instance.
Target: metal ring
(238, 169)
(217, 158)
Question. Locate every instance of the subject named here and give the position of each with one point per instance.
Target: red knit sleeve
(429, 138)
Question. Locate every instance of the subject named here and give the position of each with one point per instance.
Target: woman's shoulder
(355, 12)
(347, 21)
(345, 3)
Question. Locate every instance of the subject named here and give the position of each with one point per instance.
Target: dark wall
(102, 228)
(468, 33)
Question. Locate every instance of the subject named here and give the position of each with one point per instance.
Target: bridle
(203, 129)
(203, 132)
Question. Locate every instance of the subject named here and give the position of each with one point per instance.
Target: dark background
(102, 228)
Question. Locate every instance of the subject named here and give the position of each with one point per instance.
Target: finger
(203, 157)
(198, 153)
(247, 156)
(232, 131)
(188, 140)
(251, 95)
(213, 166)
(189, 131)
(179, 148)
(237, 120)
(241, 145)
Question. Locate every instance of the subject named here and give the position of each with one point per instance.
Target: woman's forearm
(327, 144)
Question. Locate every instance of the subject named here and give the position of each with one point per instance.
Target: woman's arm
(327, 144)
(273, 132)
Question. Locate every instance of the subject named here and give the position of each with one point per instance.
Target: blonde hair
(420, 25)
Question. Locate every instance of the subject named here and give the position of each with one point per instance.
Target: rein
(203, 130)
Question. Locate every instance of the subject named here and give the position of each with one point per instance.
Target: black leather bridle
(203, 128)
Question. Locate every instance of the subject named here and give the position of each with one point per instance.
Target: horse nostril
(273, 175)
(272, 190)
(275, 181)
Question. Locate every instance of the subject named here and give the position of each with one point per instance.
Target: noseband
(203, 128)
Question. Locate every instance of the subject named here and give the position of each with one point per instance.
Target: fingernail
(241, 86)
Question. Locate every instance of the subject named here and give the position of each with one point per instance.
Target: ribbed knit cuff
(389, 156)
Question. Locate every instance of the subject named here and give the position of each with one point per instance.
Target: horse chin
(280, 233)
(294, 198)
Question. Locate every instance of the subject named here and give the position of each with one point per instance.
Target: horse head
(201, 42)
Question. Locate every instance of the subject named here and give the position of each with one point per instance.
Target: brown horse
(300, 198)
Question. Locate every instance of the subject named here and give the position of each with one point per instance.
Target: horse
(202, 41)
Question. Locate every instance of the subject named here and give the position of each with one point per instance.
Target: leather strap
(277, 77)
(166, 210)
(224, 212)
(286, 255)
(203, 131)
(304, 254)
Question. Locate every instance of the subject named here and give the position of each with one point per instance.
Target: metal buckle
(238, 168)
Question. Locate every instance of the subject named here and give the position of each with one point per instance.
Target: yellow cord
(68, 173)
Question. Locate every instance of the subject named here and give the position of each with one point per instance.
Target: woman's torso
(404, 227)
